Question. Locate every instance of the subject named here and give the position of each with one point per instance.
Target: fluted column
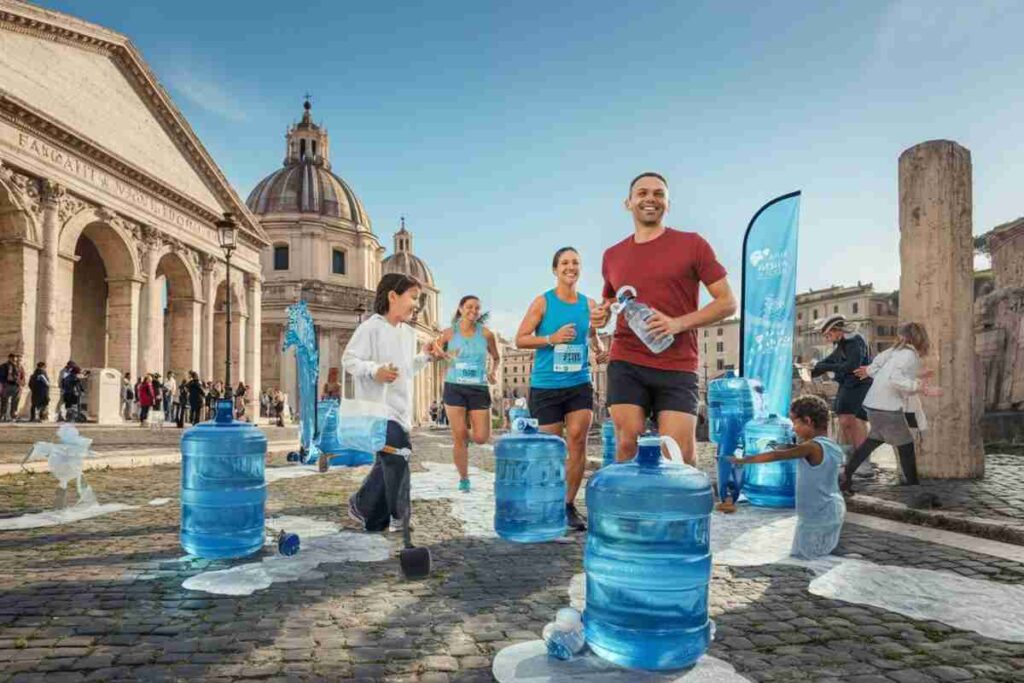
(206, 262)
(45, 348)
(253, 296)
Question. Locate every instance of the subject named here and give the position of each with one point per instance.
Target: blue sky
(503, 131)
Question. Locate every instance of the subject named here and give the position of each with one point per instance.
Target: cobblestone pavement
(999, 497)
(101, 599)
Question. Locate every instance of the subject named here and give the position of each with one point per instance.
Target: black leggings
(908, 460)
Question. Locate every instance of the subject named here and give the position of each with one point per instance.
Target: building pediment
(81, 88)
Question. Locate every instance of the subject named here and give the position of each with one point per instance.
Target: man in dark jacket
(12, 380)
(39, 385)
(851, 352)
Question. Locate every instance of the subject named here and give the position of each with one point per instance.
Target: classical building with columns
(323, 251)
(108, 251)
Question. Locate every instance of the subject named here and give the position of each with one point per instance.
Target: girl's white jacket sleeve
(358, 357)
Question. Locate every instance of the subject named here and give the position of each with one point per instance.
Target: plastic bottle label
(569, 357)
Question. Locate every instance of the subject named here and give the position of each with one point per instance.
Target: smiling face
(470, 310)
(648, 201)
(567, 268)
(401, 307)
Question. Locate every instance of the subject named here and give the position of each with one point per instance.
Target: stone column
(206, 263)
(289, 380)
(936, 289)
(253, 360)
(151, 341)
(46, 322)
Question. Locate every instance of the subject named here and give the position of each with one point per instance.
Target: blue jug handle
(674, 452)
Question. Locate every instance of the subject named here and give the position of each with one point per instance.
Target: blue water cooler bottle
(608, 445)
(529, 484)
(732, 403)
(648, 561)
(223, 487)
(327, 420)
(769, 484)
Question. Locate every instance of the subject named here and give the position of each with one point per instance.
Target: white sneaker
(396, 526)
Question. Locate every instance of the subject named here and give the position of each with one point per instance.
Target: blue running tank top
(820, 508)
(469, 366)
(562, 365)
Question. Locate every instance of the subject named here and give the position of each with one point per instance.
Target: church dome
(306, 184)
(404, 261)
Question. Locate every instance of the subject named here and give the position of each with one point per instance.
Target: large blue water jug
(529, 484)
(732, 403)
(608, 445)
(327, 421)
(223, 488)
(518, 410)
(770, 484)
(648, 561)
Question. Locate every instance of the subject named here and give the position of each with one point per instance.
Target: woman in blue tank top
(557, 326)
(820, 508)
(468, 344)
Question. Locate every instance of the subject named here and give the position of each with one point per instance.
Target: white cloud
(205, 92)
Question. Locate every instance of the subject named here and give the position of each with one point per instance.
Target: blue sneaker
(464, 485)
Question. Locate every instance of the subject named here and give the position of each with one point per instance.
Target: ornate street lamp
(227, 234)
(360, 311)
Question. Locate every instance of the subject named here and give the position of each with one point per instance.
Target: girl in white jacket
(382, 352)
(893, 396)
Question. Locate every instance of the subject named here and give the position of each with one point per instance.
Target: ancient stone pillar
(206, 262)
(936, 289)
(253, 345)
(46, 350)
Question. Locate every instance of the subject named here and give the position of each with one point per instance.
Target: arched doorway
(180, 314)
(100, 323)
(239, 316)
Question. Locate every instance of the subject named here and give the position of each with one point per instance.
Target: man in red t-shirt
(666, 267)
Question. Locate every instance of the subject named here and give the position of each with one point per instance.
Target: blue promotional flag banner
(301, 333)
(768, 314)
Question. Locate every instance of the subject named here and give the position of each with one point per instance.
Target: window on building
(705, 347)
(281, 257)
(880, 331)
(835, 309)
(799, 316)
(878, 309)
(719, 331)
(720, 347)
(814, 314)
(338, 262)
(854, 307)
(720, 365)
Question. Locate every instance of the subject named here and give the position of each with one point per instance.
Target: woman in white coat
(893, 403)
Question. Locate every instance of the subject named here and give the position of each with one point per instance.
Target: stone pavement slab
(103, 599)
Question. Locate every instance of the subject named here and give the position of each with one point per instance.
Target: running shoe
(464, 485)
(575, 522)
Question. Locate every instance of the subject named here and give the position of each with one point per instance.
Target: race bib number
(469, 373)
(569, 357)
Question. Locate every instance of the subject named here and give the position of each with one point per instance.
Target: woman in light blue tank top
(820, 508)
(557, 327)
(466, 384)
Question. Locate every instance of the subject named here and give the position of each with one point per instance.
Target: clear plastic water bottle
(529, 484)
(769, 484)
(648, 560)
(732, 403)
(327, 420)
(637, 315)
(223, 487)
(518, 410)
(564, 635)
(608, 446)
